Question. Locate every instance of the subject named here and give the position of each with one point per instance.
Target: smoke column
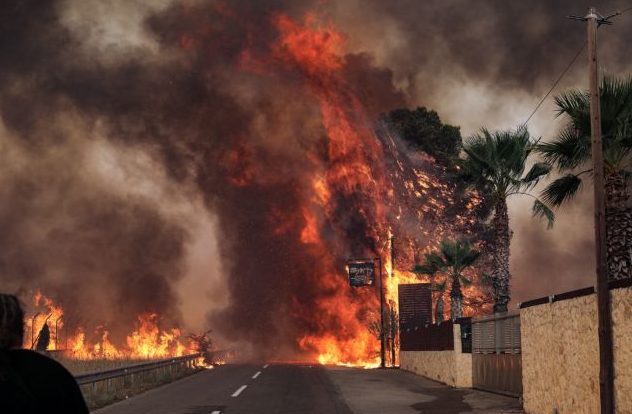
(134, 134)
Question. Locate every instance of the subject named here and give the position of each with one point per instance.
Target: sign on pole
(361, 273)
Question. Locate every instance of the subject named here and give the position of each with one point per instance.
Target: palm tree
(496, 162)
(570, 152)
(440, 288)
(452, 258)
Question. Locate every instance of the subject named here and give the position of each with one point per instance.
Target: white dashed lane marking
(266, 366)
(239, 391)
(256, 375)
(216, 412)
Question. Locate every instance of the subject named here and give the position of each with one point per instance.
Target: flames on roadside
(147, 341)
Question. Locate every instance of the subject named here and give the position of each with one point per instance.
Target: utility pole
(382, 333)
(604, 324)
(393, 321)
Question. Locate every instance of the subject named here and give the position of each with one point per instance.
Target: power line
(557, 81)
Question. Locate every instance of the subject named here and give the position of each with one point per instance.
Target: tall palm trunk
(456, 299)
(439, 310)
(500, 275)
(618, 226)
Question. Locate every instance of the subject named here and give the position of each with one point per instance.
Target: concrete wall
(450, 367)
(560, 358)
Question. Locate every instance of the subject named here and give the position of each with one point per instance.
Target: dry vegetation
(82, 366)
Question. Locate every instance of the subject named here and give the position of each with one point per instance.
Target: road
(308, 389)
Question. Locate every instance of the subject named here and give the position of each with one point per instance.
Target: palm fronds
(572, 147)
(562, 189)
(541, 210)
(497, 161)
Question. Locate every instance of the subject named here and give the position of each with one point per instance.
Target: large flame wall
(257, 110)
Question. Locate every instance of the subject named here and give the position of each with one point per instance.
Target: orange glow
(147, 341)
(342, 321)
(314, 47)
(310, 231)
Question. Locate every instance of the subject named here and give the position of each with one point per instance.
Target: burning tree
(203, 344)
(43, 338)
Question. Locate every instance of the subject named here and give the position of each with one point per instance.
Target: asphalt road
(305, 389)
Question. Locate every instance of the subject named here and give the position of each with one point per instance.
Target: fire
(147, 341)
(52, 316)
(364, 189)
(316, 48)
(356, 173)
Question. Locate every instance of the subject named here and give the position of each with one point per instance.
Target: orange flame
(147, 341)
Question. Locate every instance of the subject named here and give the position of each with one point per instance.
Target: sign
(415, 305)
(361, 273)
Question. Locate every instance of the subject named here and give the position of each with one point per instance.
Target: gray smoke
(122, 124)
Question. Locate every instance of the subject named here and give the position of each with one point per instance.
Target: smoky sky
(187, 101)
(488, 63)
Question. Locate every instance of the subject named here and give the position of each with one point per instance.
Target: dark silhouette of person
(29, 381)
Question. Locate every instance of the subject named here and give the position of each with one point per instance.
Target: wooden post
(606, 377)
(382, 336)
(393, 321)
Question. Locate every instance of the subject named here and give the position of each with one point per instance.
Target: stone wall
(560, 355)
(449, 367)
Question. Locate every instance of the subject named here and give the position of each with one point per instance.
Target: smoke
(167, 156)
(488, 64)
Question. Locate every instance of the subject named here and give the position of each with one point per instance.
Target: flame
(315, 48)
(51, 314)
(356, 171)
(360, 173)
(147, 341)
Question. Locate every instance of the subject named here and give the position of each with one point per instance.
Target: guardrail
(103, 387)
(93, 377)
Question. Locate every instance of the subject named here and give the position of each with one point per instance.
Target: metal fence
(466, 334)
(496, 353)
(437, 337)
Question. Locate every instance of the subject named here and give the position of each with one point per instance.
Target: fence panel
(496, 353)
(428, 338)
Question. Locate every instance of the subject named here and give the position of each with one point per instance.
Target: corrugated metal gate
(496, 353)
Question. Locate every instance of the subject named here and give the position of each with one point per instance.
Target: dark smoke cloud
(518, 45)
(487, 63)
(163, 79)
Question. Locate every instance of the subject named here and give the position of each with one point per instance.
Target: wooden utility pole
(393, 319)
(606, 375)
(382, 333)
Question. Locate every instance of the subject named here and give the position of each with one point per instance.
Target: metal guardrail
(93, 377)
